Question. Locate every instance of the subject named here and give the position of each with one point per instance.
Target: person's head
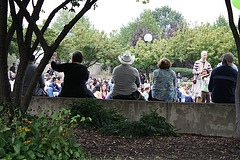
(77, 57)
(228, 59)
(184, 86)
(14, 64)
(205, 71)
(54, 80)
(103, 87)
(164, 63)
(204, 55)
(32, 58)
(179, 74)
(126, 58)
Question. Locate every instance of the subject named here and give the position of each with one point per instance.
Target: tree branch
(31, 22)
(69, 26)
(48, 21)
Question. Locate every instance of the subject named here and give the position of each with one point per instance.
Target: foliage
(145, 24)
(168, 20)
(99, 115)
(131, 33)
(96, 46)
(188, 43)
(43, 137)
(63, 18)
(109, 122)
(185, 72)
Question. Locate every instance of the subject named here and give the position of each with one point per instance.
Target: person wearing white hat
(223, 81)
(125, 78)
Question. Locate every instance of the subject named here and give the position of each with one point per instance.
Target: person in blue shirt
(56, 89)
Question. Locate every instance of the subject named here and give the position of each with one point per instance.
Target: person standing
(198, 67)
(223, 81)
(31, 69)
(205, 82)
(164, 82)
(13, 68)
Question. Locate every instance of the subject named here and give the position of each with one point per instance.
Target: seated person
(223, 81)
(75, 77)
(55, 88)
(126, 79)
(179, 77)
(164, 82)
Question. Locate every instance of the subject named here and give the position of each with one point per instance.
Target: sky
(113, 14)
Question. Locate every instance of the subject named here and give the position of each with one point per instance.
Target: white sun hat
(126, 58)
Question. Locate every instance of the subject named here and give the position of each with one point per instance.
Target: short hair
(164, 63)
(203, 52)
(54, 79)
(32, 58)
(77, 57)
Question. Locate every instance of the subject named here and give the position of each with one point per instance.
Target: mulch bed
(198, 147)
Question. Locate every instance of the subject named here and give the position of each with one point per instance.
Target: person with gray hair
(223, 81)
(198, 67)
(219, 64)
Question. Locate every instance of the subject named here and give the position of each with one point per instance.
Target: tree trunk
(48, 50)
(4, 85)
(237, 91)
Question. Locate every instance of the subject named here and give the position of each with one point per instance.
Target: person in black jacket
(75, 77)
(223, 81)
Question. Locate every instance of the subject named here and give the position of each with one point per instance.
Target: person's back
(125, 79)
(31, 69)
(75, 77)
(222, 84)
(223, 81)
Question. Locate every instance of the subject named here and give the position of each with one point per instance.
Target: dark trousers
(205, 97)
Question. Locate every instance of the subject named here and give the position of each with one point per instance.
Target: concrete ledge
(193, 118)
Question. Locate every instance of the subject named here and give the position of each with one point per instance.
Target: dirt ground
(192, 147)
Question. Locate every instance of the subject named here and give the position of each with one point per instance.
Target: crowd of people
(73, 80)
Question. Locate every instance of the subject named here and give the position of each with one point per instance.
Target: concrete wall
(196, 118)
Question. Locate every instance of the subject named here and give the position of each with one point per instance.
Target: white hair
(203, 52)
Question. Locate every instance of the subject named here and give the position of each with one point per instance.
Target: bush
(42, 137)
(98, 115)
(110, 123)
(185, 72)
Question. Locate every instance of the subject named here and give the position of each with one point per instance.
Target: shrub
(110, 123)
(42, 137)
(97, 113)
(185, 72)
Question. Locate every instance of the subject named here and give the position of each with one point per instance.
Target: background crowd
(74, 80)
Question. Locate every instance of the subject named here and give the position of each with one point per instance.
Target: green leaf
(50, 152)
(17, 148)
(39, 155)
(53, 145)
(20, 157)
(76, 155)
(60, 129)
(53, 129)
(25, 148)
(2, 152)
(31, 154)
